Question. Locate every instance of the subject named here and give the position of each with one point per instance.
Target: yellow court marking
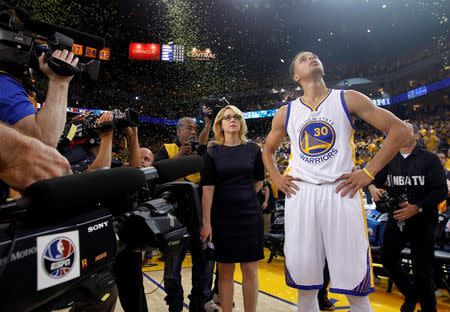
(271, 281)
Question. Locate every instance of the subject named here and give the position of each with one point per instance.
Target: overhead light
(282, 61)
(384, 6)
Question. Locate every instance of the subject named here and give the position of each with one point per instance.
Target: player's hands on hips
(285, 183)
(65, 56)
(206, 233)
(352, 182)
(408, 210)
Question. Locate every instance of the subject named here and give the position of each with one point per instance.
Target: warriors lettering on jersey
(316, 140)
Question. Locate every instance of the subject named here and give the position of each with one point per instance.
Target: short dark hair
(413, 124)
(182, 121)
(291, 68)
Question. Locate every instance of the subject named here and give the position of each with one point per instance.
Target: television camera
(388, 204)
(22, 41)
(86, 125)
(214, 103)
(58, 243)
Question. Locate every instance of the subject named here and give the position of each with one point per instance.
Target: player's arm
(397, 134)
(274, 139)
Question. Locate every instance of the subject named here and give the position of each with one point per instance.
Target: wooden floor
(274, 296)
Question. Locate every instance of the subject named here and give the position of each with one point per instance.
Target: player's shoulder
(356, 101)
(352, 94)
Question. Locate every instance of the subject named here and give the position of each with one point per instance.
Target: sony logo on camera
(97, 226)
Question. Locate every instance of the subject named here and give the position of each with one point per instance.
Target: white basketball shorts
(321, 224)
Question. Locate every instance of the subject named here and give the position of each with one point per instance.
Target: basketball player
(323, 217)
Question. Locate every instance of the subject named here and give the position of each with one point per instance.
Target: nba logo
(58, 257)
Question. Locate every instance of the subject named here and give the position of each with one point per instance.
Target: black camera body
(193, 142)
(214, 103)
(389, 204)
(66, 254)
(23, 40)
(87, 127)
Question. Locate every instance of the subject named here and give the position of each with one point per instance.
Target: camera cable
(160, 285)
(12, 234)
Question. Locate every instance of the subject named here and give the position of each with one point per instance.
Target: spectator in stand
(431, 141)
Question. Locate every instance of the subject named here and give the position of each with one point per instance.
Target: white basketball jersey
(322, 145)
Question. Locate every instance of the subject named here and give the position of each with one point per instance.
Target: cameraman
(418, 174)
(16, 109)
(200, 298)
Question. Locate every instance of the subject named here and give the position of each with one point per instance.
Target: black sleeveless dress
(236, 218)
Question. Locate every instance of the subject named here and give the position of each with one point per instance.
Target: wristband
(368, 174)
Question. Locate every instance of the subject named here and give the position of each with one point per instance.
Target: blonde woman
(232, 218)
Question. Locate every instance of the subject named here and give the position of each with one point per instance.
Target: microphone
(70, 195)
(169, 170)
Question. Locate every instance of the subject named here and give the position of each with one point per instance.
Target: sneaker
(216, 299)
(326, 305)
(211, 306)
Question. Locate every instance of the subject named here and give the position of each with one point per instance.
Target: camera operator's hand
(207, 113)
(105, 118)
(206, 233)
(408, 210)
(285, 183)
(375, 192)
(185, 150)
(65, 56)
(131, 132)
(352, 182)
(30, 161)
(134, 156)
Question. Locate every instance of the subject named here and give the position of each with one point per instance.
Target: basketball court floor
(274, 295)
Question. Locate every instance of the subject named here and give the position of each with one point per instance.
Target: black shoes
(409, 305)
(326, 305)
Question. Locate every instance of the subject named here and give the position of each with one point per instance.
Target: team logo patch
(317, 138)
(58, 257)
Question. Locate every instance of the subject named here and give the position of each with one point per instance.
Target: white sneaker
(211, 306)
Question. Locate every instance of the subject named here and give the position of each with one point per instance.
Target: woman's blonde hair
(217, 128)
